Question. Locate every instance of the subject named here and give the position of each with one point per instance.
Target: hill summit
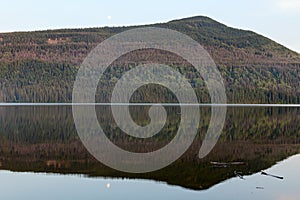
(41, 66)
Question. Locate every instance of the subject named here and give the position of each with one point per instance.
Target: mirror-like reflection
(44, 139)
(54, 186)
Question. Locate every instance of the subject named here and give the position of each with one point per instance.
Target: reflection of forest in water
(44, 139)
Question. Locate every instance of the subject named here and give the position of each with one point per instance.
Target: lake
(42, 156)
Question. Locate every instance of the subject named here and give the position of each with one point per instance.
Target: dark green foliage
(41, 66)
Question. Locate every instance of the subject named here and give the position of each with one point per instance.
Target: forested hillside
(41, 66)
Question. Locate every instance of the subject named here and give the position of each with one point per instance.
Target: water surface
(41, 156)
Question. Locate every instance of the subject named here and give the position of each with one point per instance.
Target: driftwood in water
(226, 164)
(239, 174)
(266, 174)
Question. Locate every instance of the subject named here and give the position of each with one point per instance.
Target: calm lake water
(20, 185)
(42, 157)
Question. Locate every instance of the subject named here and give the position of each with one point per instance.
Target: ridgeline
(41, 66)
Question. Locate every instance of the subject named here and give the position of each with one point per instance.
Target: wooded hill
(41, 66)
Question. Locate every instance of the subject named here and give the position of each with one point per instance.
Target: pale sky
(276, 19)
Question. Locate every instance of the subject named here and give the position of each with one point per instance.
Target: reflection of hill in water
(44, 139)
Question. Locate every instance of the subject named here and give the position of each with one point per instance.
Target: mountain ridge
(208, 32)
(38, 66)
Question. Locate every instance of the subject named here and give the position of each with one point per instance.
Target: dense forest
(42, 66)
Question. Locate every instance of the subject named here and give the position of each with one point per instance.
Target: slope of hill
(41, 66)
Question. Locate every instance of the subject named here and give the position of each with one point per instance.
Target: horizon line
(2, 104)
